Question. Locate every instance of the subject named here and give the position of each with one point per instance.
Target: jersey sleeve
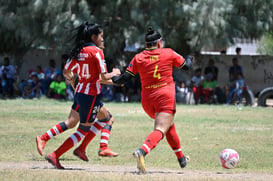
(178, 60)
(101, 61)
(132, 67)
(71, 65)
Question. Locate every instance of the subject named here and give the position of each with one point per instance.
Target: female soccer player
(87, 61)
(155, 67)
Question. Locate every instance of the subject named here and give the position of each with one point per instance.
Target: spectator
(208, 88)
(119, 93)
(7, 72)
(50, 73)
(234, 70)
(57, 88)
(32, 88)
(196, 84)
(181, 92)
(133, 89)
(107, 93)
(211, 68)
(237, 90)
(40, 73)
(238, 51)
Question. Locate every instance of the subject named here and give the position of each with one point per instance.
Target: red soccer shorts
(159, 100)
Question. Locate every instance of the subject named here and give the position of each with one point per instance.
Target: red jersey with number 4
(155, 67)
(89, 66)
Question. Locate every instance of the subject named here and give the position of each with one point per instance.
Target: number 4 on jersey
(156, 74)
(85, 71)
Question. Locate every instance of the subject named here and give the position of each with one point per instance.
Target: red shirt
(155, 67)
(89, 66)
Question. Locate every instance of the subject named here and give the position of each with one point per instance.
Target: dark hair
(238, 49)
(152, 37)
(198, 70)
(83, 35)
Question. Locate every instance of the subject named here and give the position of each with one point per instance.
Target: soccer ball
(229, 158)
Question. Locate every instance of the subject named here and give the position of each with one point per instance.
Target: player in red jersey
(155, 67)
(87, 61)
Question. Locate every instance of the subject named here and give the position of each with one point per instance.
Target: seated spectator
(234, 70)
(237, 90)
(181, 92)
(7, 73)
(208, 88)
(40, 73)
(133, 89)
(211, 68)
(57, 88)
(107, 92)
(32, 88)
(196, 84)
(50, 74)
(119, 93)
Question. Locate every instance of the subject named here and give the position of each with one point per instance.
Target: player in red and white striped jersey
(87, 61)
(72, 120)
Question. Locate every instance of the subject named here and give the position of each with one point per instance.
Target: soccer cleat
(80, 154)
(51, 158)
(183, 161)
(40, 145)
(139, 156)
(107, 153)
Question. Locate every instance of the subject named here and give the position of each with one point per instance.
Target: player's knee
(108, 119)
(71, 123)
(163, 132)
(84, 127)
(111, 121)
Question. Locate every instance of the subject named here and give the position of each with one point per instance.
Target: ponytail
(83, 36)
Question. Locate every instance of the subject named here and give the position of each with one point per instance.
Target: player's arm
(107, 82)
(187, 63)
(126, 76)
(71, 77)
(107, 76)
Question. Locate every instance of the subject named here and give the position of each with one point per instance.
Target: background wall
(258, 70)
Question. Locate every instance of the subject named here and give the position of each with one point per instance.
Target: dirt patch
(131, 170)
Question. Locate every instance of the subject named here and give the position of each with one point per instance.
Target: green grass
(204, 131)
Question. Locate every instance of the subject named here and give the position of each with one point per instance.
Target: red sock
(54, 131)
(105, 133)
(174, 141)
(70, 142)
(152, 140)
(94, 130)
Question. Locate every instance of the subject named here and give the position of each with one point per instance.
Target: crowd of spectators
(205, 86)
(49, 82)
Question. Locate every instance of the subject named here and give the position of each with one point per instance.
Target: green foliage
(187, 26)
(31, 24)
(266, 44)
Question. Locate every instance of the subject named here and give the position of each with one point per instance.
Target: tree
(186, 25)
(31, 24)
(266, 44)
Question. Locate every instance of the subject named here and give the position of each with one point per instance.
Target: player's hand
(116, 71)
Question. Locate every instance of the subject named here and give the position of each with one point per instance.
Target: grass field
(204, 131)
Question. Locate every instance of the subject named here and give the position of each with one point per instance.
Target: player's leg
(104, 150)
(163, 121)
(174, 143)
(59, 128)
(88, 110)
(103, 117)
